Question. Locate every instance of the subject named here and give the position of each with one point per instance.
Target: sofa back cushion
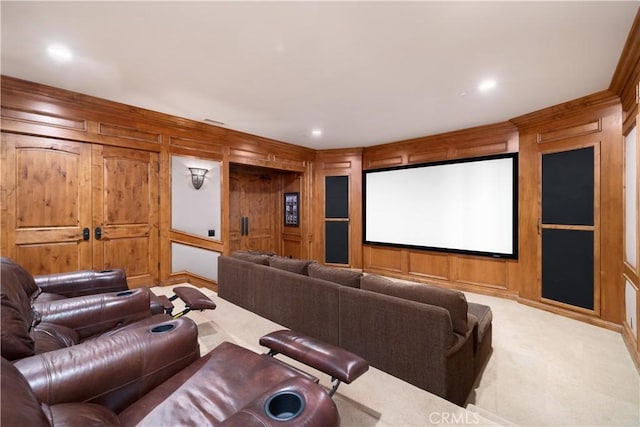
(389, 332)
(300, 303)
(335, 275)
(299, 266)
(455, 302)
(248, 256)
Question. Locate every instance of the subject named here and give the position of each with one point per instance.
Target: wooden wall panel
(482, 150)
(383, 260)
(426, 157)
(206, 147)
(291, 246)
(295, 241)
(626, 84)
(43, 118)
(374, 163)
(429, 265)
(130, 253)
(482, 272)
(47, 259)
(594, 120)
(108, 129)
(34, 109)
(337, 163)
(573, 130)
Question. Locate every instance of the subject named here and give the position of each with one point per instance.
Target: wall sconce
(197, 177)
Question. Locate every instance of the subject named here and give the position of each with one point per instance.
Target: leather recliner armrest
(113, 371)
(335, 361)
(317, 409)
(93, 314)
(83, 282)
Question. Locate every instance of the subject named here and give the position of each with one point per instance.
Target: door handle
(244, 226)
(86, 233)
(98, 233)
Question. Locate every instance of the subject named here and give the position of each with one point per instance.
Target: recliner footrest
(341, 364)
(193, 300)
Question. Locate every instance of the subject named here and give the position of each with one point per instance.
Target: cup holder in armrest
(124, 293)
(162, 328)
(284, 406)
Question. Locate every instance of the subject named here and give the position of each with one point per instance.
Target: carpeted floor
(545, 370)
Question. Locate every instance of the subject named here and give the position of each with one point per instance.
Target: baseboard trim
(572, 315)
(632, 345)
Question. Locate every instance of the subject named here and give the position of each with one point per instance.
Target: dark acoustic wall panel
(567, 267)
(336, 242)
(567, 187)
(336, 196)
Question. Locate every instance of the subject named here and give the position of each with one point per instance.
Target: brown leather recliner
(119, 382)
(30, 327)
(57, 286)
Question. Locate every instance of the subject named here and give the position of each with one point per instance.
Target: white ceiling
(365, 73)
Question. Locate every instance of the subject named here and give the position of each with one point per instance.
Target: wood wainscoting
(469, 273)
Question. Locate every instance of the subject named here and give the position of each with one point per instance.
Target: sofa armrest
(113, 371)
(317, 408)
(335, 361)
(84, 282)
(93, 314)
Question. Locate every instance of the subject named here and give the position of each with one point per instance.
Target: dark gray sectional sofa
(428, 336)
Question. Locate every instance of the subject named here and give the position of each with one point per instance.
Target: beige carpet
(545, 370)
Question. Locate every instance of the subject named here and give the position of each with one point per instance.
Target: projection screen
(463, 206)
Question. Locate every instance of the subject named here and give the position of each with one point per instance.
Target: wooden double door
(253, 209)
(71, 206)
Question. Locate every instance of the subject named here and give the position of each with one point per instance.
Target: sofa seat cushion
(455, 302)
(251, 257)
(335, 275)
(484, 317)
(299, 266)
(207, 392)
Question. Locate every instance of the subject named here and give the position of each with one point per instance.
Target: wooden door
(46, 198)
(252, 210)
(569, 226)
(125, 214)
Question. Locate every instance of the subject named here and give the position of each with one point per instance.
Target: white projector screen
(464, 206)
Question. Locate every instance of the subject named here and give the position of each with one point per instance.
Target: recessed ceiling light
(486, 85)
(60, 52)
(316, 132)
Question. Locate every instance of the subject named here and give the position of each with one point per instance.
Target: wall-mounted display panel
(465, 206)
